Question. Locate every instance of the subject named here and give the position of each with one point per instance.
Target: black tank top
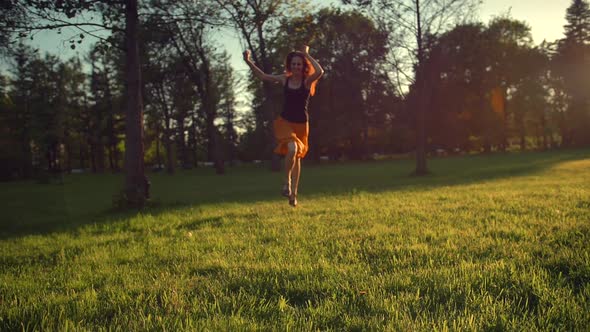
(295, 103)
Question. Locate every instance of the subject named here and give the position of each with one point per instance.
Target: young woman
(291, 128)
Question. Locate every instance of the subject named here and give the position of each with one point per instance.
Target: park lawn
(496, 242)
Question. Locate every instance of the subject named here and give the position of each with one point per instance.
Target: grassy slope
(486, 242)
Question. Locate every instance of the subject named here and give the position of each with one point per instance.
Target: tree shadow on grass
(87, 199)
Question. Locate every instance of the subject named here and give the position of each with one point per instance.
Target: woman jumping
(291, 128)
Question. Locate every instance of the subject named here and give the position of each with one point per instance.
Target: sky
(545, 17)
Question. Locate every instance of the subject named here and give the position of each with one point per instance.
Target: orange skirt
(286, 132)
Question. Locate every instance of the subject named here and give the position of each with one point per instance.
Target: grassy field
(498, 242)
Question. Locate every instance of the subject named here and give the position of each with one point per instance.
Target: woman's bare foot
(286, 191)
(293, 200)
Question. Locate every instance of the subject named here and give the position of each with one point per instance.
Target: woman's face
(296, 65)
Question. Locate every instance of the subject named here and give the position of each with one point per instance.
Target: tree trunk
(111, 161)
(521, 131)
(218, 161)
(27, 153)
(194, 142)
(213, 146)
(99, 153)
(169, 155)
(544, 131)
(112, 145)
(111, 136)
(158, 156)
(82, 158)
(69, 159)
(49, 158)
(504, 143)
(116, 156)
(67, 152)
(205, 87)
(231, 152)
(168, 143)
(421, 168)
(423, 100)
(136, 183)
(181, 142)
(92, 155)
(267, 108)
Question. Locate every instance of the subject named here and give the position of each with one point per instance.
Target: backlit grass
(496, 242)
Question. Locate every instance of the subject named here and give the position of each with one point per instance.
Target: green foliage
(494, 242)
(490, 81)
(9, 156)
(355, 101)
(60, 118)
(578, 22)
(572, 64)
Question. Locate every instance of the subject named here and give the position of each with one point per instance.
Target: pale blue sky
(545, 17)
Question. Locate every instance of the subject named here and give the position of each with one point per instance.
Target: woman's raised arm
(318, 70)
(259, 73)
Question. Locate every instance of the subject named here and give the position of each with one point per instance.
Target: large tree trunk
(504, 143)
(204, 87)
(168, 143)
(229, 125)
(423, 102)
(67, 152)
(27, 159)
(166, 134)
(158, 156)
(136, 183)
(92, 155)
(82, 155)
(98, 153)
(421, 168)
(213, 142)
(170, 167)
(181, 142)
(111, 160)
(522, 142)
(112, 144)
(110, 135)
(268, 110)
(214, 148)
(194, 141)
(519, 123)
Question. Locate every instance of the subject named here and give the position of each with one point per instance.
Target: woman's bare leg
(295, 175)
(290, 161)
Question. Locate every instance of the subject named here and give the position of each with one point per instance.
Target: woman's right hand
(246, 55)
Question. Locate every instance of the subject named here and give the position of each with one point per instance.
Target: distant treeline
(484, 87)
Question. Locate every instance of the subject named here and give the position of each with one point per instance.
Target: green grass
(485, 243)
